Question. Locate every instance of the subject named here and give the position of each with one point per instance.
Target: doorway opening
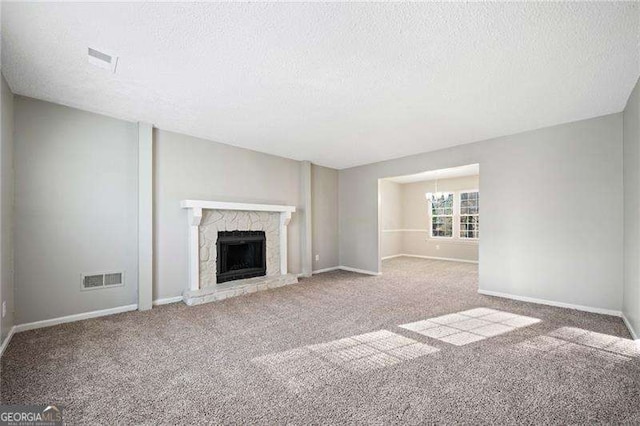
(430, 215)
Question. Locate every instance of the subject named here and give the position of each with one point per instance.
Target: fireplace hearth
(241, 254)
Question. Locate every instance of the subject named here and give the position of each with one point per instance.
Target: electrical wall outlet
(438, 247)
(317, 257)
(4, 308)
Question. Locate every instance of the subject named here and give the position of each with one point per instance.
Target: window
(470, 215)
(441, 214)
(455, 215)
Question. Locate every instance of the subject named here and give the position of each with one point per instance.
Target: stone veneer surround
(206, 219)
(234, 220)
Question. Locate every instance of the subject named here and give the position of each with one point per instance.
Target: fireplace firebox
(241, 254)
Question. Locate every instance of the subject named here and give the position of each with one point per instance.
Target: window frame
(452, 216)
(459, 196)
(456, 217)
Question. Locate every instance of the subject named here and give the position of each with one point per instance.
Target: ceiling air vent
(95, 281)
(102, 59)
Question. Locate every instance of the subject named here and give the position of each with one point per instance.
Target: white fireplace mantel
(195, 216)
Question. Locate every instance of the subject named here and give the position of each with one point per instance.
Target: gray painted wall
(324, 201)
(306, 234)
(77, 195)
(186, 167)
(75, 211)
(391, 218)
(76, 207)
(631, 294)
(541, 235)
(6, 207)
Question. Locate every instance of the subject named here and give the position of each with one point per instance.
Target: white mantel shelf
(195, 208)
(223, 205)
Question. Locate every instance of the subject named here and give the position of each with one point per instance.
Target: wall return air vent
(102, 59)
(96, 281)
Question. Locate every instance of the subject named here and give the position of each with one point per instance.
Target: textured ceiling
(338, 84)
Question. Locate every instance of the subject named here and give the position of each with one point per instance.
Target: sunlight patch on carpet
(582, 347)
(315, 365)
(473, 325)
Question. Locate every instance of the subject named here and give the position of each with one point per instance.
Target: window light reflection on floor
(312, 365)
(574, 340)
(462, 328)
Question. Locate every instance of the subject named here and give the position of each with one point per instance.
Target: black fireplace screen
(241, 254)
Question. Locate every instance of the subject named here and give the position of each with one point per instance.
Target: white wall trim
(448, 259)
(320, 271)
(393, 256)
(72, 318)
(633, 333)
(359, 271)
(436, 240)
(167, 300)
(405, 230)
(552, 303)
(7, 340)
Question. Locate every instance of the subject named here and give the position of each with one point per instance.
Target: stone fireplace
(235, 248)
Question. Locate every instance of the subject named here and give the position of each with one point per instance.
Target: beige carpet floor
(330, 351)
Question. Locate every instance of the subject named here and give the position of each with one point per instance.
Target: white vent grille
(96, 281)
(93, 281)
(112, 279)
(102, 59)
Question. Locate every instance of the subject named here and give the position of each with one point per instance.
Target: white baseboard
(448, 259)
(167, 300)
(346, 268)
(7, 340)
(72, 318)
(320, 271)
(633, 333)
(393, 256)
(359, 271)
(552, 303)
